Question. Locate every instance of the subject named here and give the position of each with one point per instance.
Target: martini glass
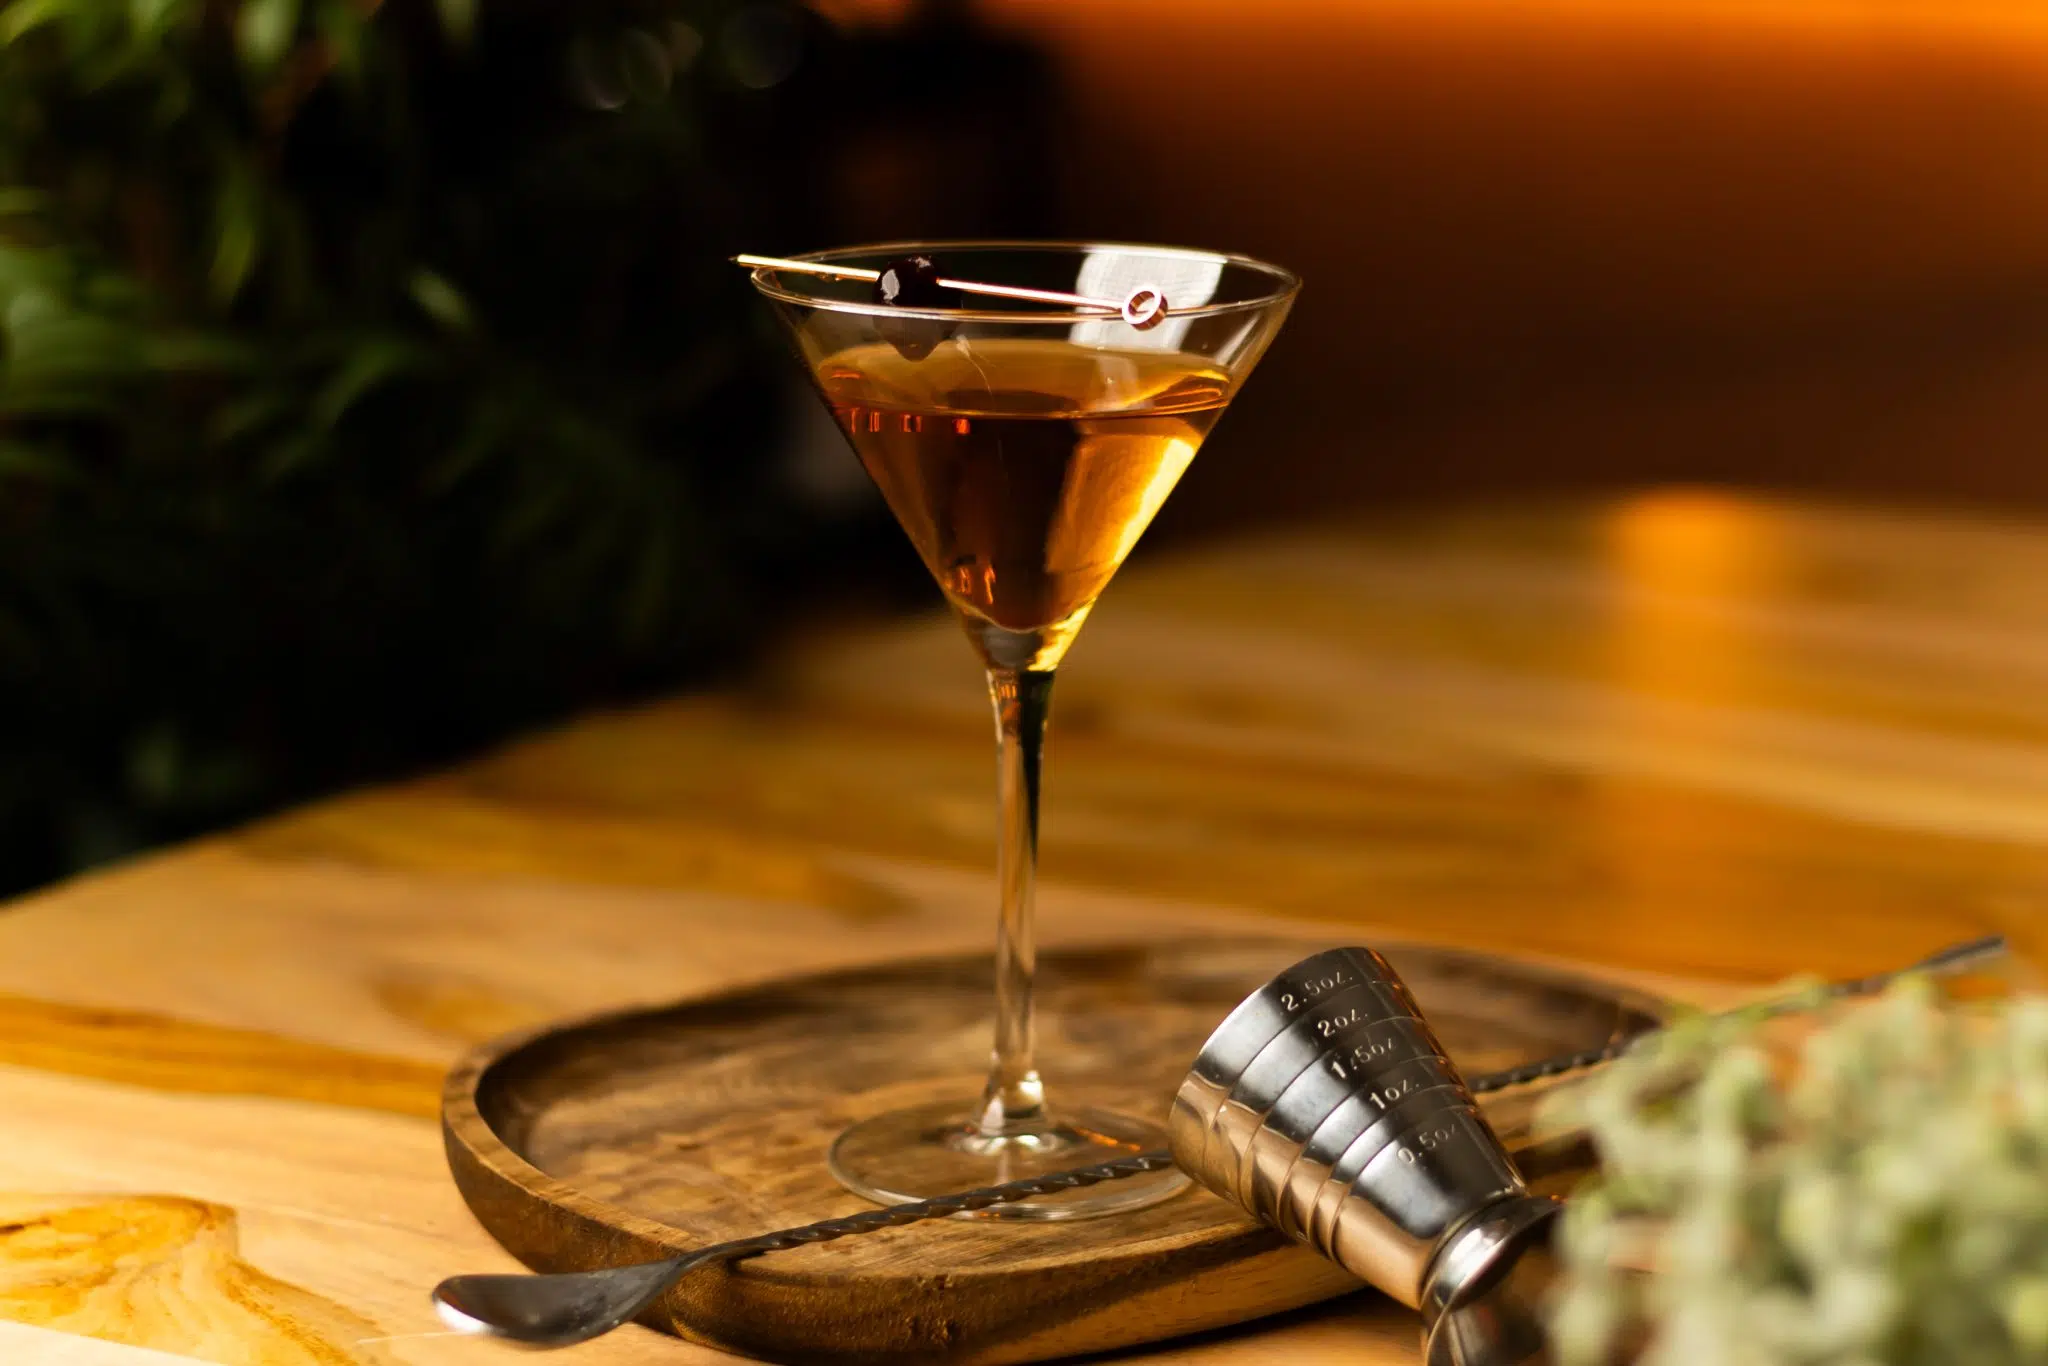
(1024, 445)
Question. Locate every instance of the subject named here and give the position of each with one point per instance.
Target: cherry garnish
(912, 282)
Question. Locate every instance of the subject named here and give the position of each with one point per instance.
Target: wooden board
(639, 1135)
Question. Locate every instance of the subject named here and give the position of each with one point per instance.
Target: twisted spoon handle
(569, 1307)
(943, 1206)
(1954, 958)
(1951, 959)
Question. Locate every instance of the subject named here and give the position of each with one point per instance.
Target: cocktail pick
(1144, 308)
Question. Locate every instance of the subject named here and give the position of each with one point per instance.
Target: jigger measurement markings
(1386, 1097)
(1428, 1141)
(1306, 993)
(1359, 1056)
(1325, 1028)
(1143, 308)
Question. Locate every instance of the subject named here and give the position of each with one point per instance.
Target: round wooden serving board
(633, 1136)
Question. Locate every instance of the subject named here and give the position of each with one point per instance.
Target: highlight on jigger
(1144, 308)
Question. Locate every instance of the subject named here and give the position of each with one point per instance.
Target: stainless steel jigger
(1325, 1106)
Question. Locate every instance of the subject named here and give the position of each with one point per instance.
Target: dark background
(374, 385)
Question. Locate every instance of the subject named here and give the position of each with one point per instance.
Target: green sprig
(1885, 1206)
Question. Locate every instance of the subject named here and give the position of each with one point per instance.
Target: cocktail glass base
(930, 1150)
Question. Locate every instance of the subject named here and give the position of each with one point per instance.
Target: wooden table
(1687, 738)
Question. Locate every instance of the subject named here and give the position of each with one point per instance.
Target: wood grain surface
(1693, 741)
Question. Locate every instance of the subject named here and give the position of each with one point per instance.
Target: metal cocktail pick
(1145, 307)
(1340, 1219)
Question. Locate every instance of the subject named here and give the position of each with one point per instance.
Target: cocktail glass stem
(1014, 1099)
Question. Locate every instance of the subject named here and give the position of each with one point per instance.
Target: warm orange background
(1799, 243)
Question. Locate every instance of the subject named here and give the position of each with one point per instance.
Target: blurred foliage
(1876, 1196)
(373, 382)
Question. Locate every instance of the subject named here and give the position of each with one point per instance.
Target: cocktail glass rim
(765, 278)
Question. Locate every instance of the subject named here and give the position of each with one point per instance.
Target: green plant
(371, 382)
(1885, 1205)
